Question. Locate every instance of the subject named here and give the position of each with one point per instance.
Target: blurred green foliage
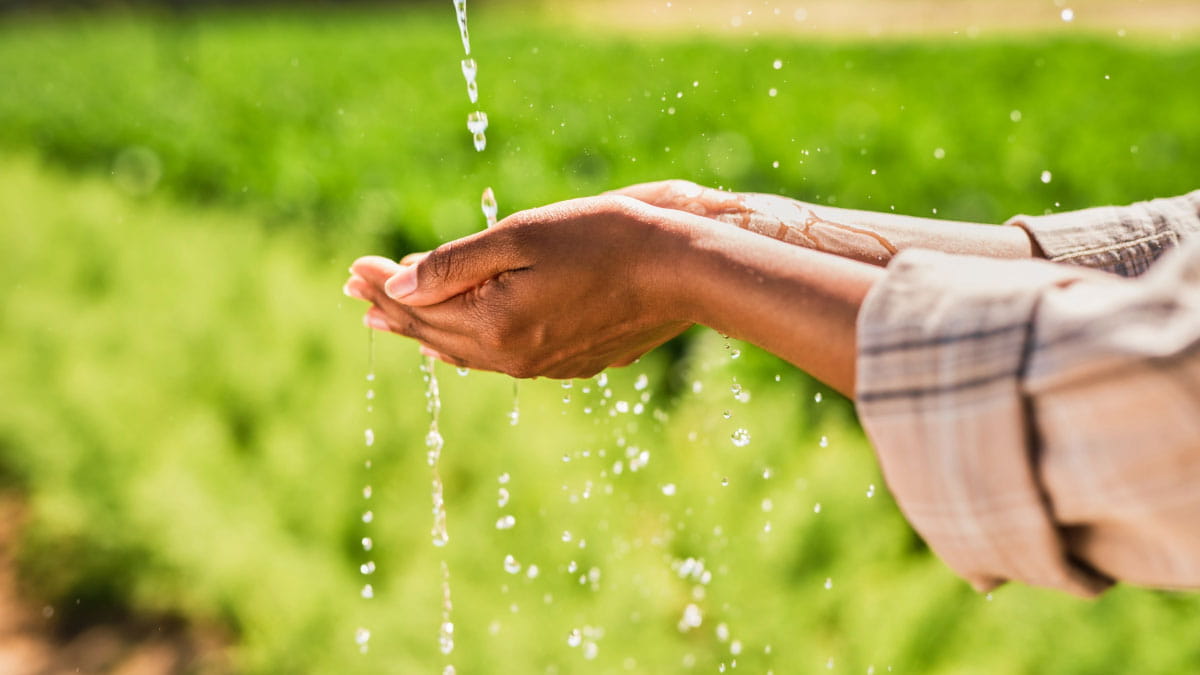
(183, 398)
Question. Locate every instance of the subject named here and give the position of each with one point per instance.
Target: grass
(183, 400)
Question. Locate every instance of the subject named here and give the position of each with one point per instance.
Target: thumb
(454, 268)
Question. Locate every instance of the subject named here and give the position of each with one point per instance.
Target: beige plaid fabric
(1040, 421)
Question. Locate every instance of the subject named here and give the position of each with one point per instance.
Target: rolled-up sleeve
(1124, 240)
(1040, 422)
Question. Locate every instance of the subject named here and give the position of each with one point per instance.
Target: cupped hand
(560, 291)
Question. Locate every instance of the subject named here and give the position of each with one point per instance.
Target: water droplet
(775, 164)
(735, 354)
(368, 517)
(778, 64)
(503, 478)
(469, 69)
(766, 474)
(939, 153)
(817, 397)
(602, 380)
(480, 141)
(767, 505)
(622, 406)
(828, 583)
(1015, 115)
(641, 382)
(1068, 14)
(1047, 176)
(370, 377)
(726, 414)
(692, 618)
(446, 637)
(362, 636)
(725, 482)
(740, 438)
(870, 490)
(511, 565)
(735, 647)
(772, 92)
(669, 489)
(367, 492)
(502, 498)
(735, 388)
(532, 571)
(367, 544)
(477, 122)
(723, 632)
(817, 507)
(574, 638)
(462, 372)
(367, 567)
(487, 203)
(369, 437)
(824, 442)
(368, 592)
(506, 522)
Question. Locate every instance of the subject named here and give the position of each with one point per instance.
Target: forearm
(794, 302)
(874, 237)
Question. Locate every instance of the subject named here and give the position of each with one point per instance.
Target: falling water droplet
(1047, 176)
(487, 204)
(824, 442)
(740, 438)
(369, 437)
(506, 522)
(367, 567)
(511, 565)
(828, 583)
(362, 636)
(870, 490)
(368, 592)
(777, 64)
(641, 382)
(669, 489)
(367, 544)
(1068, 14)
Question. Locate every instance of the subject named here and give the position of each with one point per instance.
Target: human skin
(569, 289)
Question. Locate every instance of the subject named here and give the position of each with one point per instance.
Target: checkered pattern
(1041, 422)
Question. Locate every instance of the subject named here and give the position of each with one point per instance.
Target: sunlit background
(183, 397)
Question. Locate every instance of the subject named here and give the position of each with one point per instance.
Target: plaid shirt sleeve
(1040, 422)
(1124, 240)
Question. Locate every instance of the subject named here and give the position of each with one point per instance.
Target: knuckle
(439, 265)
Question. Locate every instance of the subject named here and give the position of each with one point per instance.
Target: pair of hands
(562, 291)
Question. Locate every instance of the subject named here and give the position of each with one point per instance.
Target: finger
(413, 258)
(455, 267)
(661, 193)
(444, 344)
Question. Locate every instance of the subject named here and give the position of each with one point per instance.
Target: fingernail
(347, 291)
(402, 283)
(375, 322)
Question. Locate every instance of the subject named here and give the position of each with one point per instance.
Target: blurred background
(182, 415)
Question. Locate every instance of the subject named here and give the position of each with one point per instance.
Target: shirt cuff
(1124, 240)
(942, 347)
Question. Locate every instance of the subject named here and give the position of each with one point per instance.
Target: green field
(183, 399)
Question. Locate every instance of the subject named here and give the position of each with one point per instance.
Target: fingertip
(367, 263)
(402, 283)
